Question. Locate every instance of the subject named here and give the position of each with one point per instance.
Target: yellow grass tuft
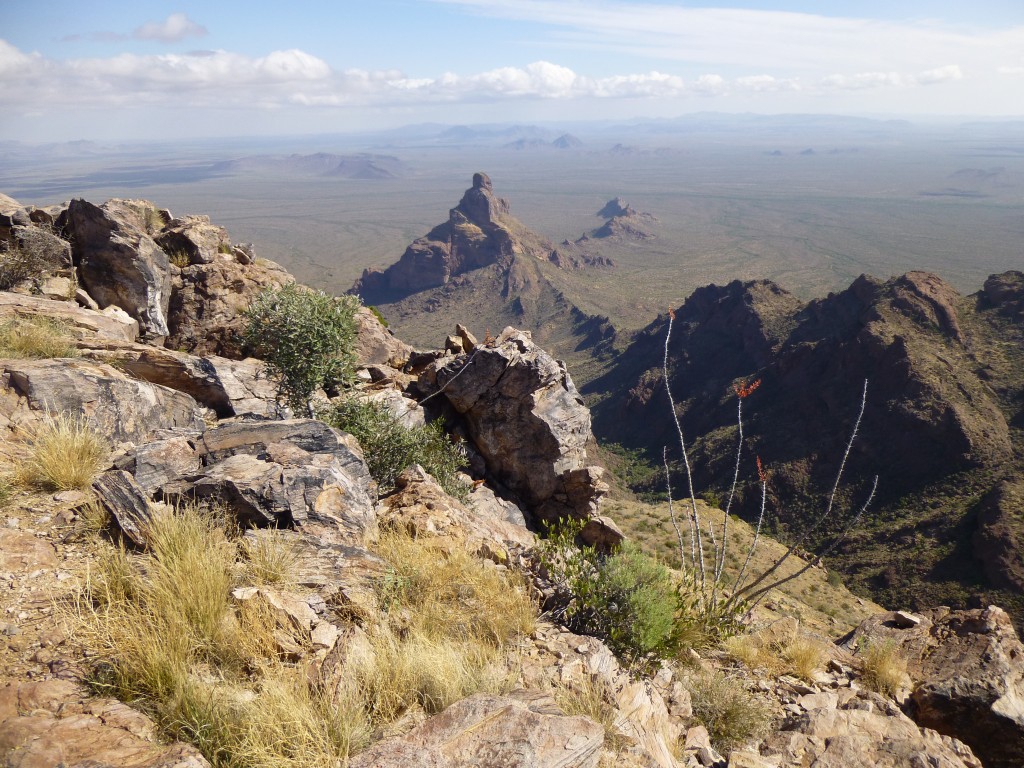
(270, 558)
(804, 656)
(36, 338)
(590, 697)
(884, 667)
(65, 453)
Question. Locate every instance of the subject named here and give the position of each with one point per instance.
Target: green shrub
(305, 337)
(626, 598)
(389, 446)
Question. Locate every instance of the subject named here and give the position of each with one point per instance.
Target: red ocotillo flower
(671, 313)
(746, 390)
(762, 473)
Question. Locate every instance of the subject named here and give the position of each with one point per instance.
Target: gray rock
(126, 502)
(82, 323)
(228, 387)
(120, 264)
(195, 238)
(527, 420)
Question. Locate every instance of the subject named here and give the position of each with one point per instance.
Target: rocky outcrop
(623, 222)
(296, 473)
(119, 263)
(57, 722)
(485, 731)
(376, 345)
(479, 232)
(851, 729)
(1005, 292)
(967, 669)
(523, 414)
(205, 315)
(228, 387)
(194, 240)
(999, 540)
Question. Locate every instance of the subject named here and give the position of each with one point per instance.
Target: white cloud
(30, 82)
(948, 73)
(173, 29)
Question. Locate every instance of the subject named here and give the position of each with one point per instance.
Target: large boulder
(296, 473)
(486, 731)
(967, 669)
(119, 263)
(194, 240)
(119, 407)
(851, 729)
(228, 387)
(525, 417)
(376, 345)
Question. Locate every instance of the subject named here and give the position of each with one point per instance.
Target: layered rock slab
(486, 731)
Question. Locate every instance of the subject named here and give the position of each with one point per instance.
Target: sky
(146, 69)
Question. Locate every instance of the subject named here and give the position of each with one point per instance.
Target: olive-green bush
(389, 446)
(305, 337)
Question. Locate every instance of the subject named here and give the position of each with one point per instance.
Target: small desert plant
(36, 338)
(732, 715)
(305, 337)
(270, 558)
(747, 648)
(35, 252)
(706, 555)
(590, 697)
(179, 257)
(884, 667)
(65, 453)
(803, 656)
(627, 598)
(390, 447)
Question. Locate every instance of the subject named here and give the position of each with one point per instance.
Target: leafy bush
(36, 338)
(305, 337)
(626, 598)
(389, 446)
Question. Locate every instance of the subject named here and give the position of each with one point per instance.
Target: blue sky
(109, 70)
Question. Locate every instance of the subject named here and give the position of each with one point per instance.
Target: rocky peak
(616, 207)
(480, 232)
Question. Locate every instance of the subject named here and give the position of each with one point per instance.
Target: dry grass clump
(795, 653)
(589, 697)
(884, 667)
(227, 674)
(65, 453)
(270, 558)
(449, 619)
(732, 715)
(35, 338)
(7, 488)
(746, 648)
(804, 656)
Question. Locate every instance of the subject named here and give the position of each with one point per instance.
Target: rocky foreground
(151, 305)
